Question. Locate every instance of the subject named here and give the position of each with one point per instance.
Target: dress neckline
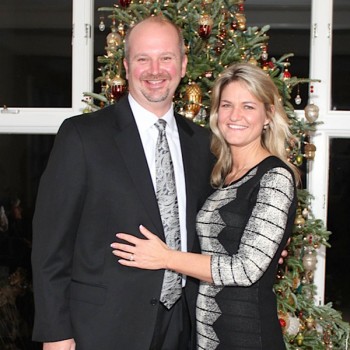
(247, 172)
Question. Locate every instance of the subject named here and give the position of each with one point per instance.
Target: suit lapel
(189, 163)
(130, 146)
(129, 143)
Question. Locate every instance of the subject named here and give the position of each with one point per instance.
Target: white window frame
(335, 124)
(47, 120)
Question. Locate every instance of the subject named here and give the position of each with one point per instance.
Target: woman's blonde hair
(274, 138)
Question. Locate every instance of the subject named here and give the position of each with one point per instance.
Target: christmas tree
(216, 35)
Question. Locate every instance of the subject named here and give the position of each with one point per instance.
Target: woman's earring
(265, 127)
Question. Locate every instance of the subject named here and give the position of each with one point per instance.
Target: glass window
(36, 53)
(22, 161)
(338, 222)
(289, 32)
(341, 55)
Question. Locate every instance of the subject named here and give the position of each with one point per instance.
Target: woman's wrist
(169, 260)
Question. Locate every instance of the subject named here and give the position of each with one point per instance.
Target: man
(100, 181)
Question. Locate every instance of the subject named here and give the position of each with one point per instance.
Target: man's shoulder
(191, 126)
(103, 116)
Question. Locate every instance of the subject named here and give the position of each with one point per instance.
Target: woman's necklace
(233, 176)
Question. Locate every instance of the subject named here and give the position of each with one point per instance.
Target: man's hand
(284, 253)
(68, 344)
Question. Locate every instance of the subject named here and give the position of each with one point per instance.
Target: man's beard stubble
(149, 96)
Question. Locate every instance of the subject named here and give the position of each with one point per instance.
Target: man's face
(155, 66)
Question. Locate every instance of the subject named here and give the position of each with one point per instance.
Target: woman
(244, 224)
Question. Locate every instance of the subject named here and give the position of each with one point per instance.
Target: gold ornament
(299, 220)
(113, 39)
(193, 97)
(310, 323)
(253, 61)
(296, 283)
(299, 159)
(121, 29)
(309, 261)
(311, 112)
(299, 338)
(241, 21)
(310, 150)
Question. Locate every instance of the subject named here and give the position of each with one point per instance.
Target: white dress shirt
(145, 121)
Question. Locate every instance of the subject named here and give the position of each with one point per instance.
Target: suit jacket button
(154, 301)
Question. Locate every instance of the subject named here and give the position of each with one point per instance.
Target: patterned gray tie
(169, 212)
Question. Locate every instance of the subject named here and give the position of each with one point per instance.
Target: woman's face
(241, 116)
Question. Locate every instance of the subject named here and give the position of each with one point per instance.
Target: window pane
(341, 56)
(36, 53)
(338, 222)
(289, 32)
(22, 161)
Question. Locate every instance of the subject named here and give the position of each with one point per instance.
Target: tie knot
(161, 124)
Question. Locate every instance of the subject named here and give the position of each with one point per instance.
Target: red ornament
(234, 25)
(118, 87)
(117, 91)
(264, 54)
(205, 26)
(283, 322)
(222, 33)
(218, 47)
(265, 65)
(124, 3)
(241, 7)
(286, 74)
(204, 31)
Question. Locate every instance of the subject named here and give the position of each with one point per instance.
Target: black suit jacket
(97, 183)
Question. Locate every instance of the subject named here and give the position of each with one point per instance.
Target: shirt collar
(146, 119)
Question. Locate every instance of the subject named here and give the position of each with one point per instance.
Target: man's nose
(154, 67)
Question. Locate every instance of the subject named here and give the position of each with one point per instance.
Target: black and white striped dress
(244, 227)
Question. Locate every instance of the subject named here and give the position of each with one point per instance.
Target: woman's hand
(150, 253)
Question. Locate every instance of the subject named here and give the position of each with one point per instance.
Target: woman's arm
(260, 241)
(262, 235)
(153, 254)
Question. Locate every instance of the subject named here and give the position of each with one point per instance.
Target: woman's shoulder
(272, 168)
(270, 163)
